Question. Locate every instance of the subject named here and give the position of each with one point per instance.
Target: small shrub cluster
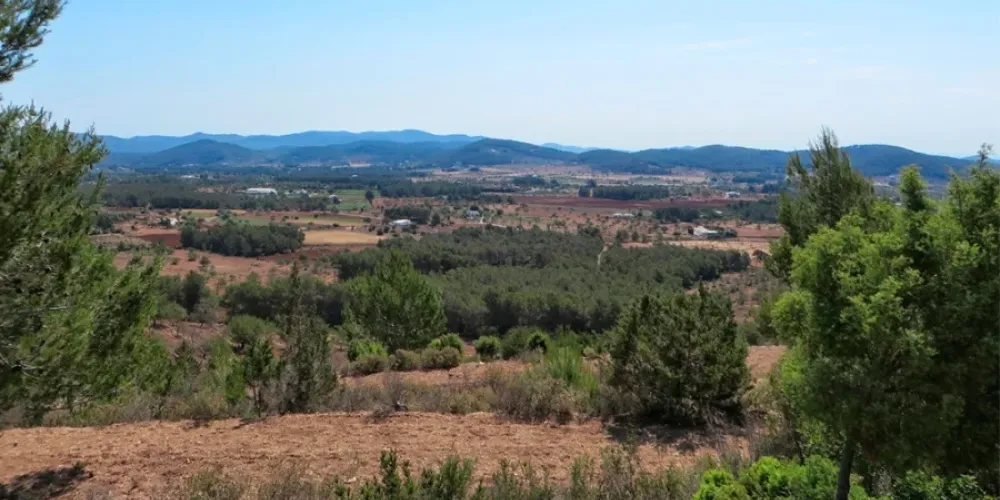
(405, 361)
(444, 358)
(521, 340)
(618, 475)
(451, 340)
(773, 479)
(488, 347)
(359, 348)
(368, 364)
(374, 360)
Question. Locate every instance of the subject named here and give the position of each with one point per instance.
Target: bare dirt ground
(575, 201)
(233, 268)
(142, 460)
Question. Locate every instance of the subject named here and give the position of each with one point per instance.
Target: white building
(262, 191)
(621, 215)
(402, 223)
(473, 214)
(704, 232)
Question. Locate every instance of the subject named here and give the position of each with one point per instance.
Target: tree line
(627, 193)
(243, 240)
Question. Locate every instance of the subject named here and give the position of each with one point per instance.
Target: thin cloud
(811, 61)
(715, 44)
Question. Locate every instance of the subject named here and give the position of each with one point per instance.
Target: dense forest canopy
(243, 239)
(494, 279)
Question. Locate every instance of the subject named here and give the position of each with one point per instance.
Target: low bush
(567, 365)
(919, 485)
(539, 341)
(516, 340)
(368, 364)
(618, 475)
(488, 347)
(440, 359)
(448, 340)
(534, 396)
(212, 484)
(405, 361)
(358, 348)
(773, 479)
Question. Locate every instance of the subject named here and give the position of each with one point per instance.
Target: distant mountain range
(418, 148)
(156, 143)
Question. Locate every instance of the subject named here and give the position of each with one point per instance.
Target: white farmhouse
(264, 191)
(704, 232)
(402, 223)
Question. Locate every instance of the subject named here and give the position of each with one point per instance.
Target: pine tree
(680, 358)
(396, 305)
(818, 197)
(71, 325)
(308, 367)
(893, 320)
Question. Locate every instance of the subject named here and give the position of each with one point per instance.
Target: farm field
(351, 199)
(302, 219)
(340, 237)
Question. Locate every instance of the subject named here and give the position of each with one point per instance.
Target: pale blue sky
(625, 74)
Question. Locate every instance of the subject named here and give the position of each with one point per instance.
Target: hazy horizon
(630, 76)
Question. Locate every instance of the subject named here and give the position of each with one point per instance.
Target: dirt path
(141, 460)
(600, 256)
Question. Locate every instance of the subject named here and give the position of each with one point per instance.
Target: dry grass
(340, 237)
(744, 245)
(140, 460)
(760, 359)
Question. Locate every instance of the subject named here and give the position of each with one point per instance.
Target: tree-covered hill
(870, 159)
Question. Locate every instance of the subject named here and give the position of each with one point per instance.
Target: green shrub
(170, 310)
(919, 485)
(368, 364)
(679, 359)
(448, 340)
(567, 365)
(539, 341)
(488, 347)
(358, 348)
(719, 485)
(244, 329)
(516, 341)
(440, 359)
(773, 479)
(405, 361)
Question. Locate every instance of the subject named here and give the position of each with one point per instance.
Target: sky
(622, 74)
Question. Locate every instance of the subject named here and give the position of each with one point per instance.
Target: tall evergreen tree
(71, 325)
(819, 197)
(396, 305)
(307, 362)
(893, 319)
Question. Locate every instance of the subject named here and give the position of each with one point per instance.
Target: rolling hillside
(156, 143)
(444, 151)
